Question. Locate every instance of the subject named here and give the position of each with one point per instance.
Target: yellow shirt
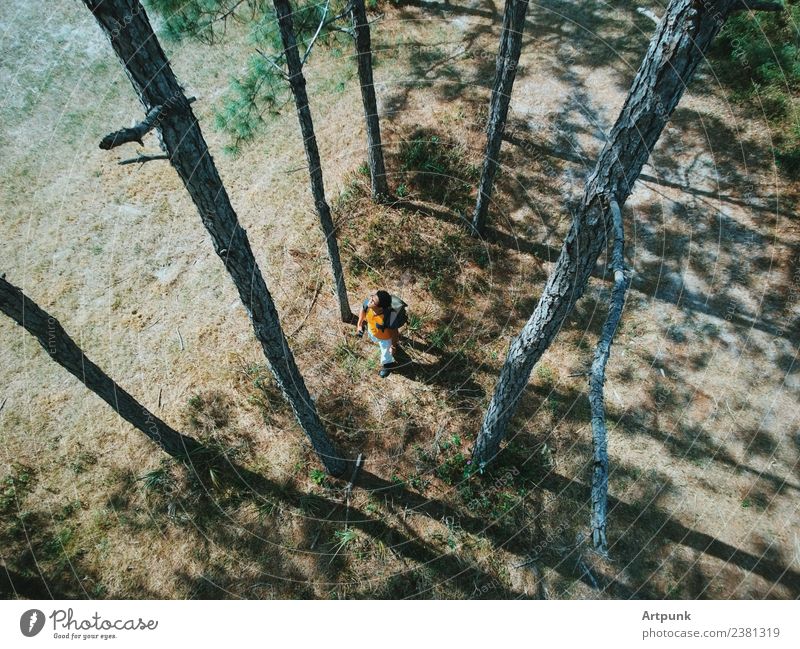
(375, 319)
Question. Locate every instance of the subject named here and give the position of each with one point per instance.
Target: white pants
(386, 349)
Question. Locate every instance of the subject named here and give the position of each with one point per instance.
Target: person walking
(374, 313)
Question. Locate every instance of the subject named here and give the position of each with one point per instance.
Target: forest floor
(702, 386)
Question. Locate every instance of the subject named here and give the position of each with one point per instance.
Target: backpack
(397, 314)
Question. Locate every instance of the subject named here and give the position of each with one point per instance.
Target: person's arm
(361, 317)
(395, 340)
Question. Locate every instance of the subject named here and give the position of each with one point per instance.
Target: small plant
(14, 486)
(441, 337)
(402, 191)
(342, 538)
(318, 477)
(415, 322)
(265, 508)
(545, 374)
(453, 469)
(418, 482)
(156, 480)
(82, 461)
(438, 169)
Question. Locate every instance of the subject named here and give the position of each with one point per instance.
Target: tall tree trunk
(505, 72)
(377, 170)
(64, 351)
(298, 84)
(133, 40)
(679, 44)
(597, 378)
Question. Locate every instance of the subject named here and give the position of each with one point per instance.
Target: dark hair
(384, 299)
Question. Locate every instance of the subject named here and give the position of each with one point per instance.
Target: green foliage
(766, 45)
(454, 469)
(438, 169)
(15, 486)
(157, 481)
(545, 374)
(415, 322)
(318, 477)
(261, 91)
(758, 55)
(342, 538)
(203, 20)
(441, 337)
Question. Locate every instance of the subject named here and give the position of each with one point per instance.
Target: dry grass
(702, 384)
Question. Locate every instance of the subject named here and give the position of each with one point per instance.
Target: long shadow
(452, 372)
(450, 8)
(449, 568)
(537, 150)
(431, 66)
(667, 527)
(503, 536)
(647, 279)
(646, 515)
(15, 585)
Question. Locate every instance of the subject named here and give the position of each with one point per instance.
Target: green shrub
(758, 56)
(438, 169)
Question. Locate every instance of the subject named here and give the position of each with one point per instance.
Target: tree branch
(273, 64)
(135, 133)
(316, 34)
(151, 121)
(648, 14)
(597, 379)
(144, 158)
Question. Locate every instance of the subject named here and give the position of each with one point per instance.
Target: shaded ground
(702, 386)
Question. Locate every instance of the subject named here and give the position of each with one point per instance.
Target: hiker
(374, 311)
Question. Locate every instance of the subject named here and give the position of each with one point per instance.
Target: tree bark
(297, 81)
(377, 170)
(505, 73)
(597, 378)
(681, 39)
(128, 28)
(64, 351)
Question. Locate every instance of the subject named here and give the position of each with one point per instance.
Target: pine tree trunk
(64, 351)
(133, 40)
(377, 170)
(679, 44)
(597, 378)
(298, 84)
(505, 72)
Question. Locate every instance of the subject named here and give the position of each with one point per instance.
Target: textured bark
(298, 84)
(680, 41)
(505, 72)
(377, 170)
(133, 40)
(134, 133)
(597, 378)
(64, 351)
